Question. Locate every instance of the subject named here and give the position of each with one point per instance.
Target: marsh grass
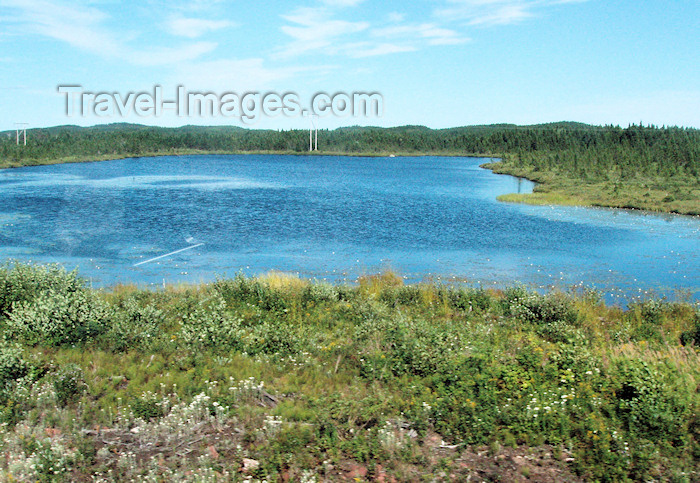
(312, 380)
(679, 194)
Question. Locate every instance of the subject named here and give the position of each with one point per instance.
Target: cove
(193, 218)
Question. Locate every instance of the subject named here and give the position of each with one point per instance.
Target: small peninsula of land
(640, 167)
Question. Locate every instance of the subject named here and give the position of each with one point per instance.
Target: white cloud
(494, 12)
(366, 49)
(429, 32)
(85, 27)
(342, 3)
(317, 30)
(194, 27)
(171, 55)
(314, 29)
(237, 75)
(75, 25)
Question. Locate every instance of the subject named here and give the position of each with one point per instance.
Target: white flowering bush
(246, 390)
(31, 456)
(22, 283)
(56, 319)
(534, 308)
(319, 292)
(210, 325)
(69, 384)
(393, 436)
(134, 326)
(181, 420)
(12, 364)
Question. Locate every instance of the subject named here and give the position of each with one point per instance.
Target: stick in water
(168, 254)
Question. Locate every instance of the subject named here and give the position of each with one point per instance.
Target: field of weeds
(276, 378)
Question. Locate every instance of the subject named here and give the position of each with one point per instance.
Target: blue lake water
(331, 218)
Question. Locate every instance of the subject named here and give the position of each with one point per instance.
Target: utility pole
(313, 133)
(21, 127)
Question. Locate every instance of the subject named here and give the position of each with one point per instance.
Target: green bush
(253, 291)
(12, 364)
(134, 326)
(648, 404)
(692, 336)
(269, 336)
(401, 295)
(147, 407)
(470, 299)
(534, 308)
(22, 283)
(210, 325)
(56, 319)
(69, 384)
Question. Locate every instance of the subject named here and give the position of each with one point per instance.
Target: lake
(332, 218)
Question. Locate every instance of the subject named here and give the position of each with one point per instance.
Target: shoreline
(547, 192)
(196, 152)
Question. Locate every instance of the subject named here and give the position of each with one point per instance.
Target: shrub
(469, 299)
(319, 292)
(12, 365)
(692, 336)
(211, 326)
(534, 308)
(134, 326)
(646, 402)
(253, 291)
(69, 384)
(401, 295)
(22, 283)
(148, 407)
(56, 319)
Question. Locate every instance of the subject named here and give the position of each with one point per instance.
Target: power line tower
(313, 133)
(21, 127)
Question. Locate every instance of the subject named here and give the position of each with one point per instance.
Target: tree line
(572, 149)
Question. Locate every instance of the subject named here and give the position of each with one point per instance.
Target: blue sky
(439, 63)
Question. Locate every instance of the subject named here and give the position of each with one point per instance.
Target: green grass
(669, 195)
(378, 380)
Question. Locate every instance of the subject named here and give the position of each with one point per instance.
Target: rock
(212, 452)
(358, 471)
(250, 465)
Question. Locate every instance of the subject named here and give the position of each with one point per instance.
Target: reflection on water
(331, 218)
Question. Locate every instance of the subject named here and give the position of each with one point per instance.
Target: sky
(438, 63)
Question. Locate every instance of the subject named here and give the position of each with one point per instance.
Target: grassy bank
(676, 195)
(277, 378)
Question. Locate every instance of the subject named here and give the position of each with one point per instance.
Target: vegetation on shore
(638, 167)
(278, 378)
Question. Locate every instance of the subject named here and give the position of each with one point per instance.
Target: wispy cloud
(432, 33)
(368, 49)
(236, 75)
(195, 27)
(494, 12)
(342, 3)
(77, 25)
(319, 30)
(85, 27)
(314, 29)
